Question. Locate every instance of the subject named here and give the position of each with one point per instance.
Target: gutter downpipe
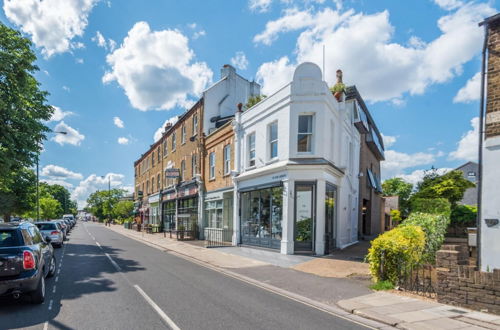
(480, 154)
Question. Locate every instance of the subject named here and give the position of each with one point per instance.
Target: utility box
(472, 236)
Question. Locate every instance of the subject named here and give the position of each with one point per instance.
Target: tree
(253, 100)
(123, 210)
(17, 192)
(23, 105)
(451, 185)
(49, 208)
(102, 203)
(402, 189)
(61, 194)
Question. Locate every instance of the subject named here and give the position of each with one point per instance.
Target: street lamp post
(38, 179)
(109, 197)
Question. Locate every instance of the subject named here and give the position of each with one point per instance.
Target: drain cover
(458, 311)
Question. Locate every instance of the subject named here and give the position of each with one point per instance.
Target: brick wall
(462, 285)
(215, 143)
(493, 82)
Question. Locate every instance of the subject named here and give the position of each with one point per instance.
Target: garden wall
(460, 284)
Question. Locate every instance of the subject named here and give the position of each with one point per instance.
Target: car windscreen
(9, 238)
(46, 226)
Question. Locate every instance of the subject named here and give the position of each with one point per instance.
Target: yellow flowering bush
(393, 249)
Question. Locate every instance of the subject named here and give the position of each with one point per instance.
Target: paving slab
(415, 316)
(478, 323)
(441, 323)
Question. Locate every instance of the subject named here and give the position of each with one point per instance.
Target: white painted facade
(221, 99)
(333, 158)
(490, 206)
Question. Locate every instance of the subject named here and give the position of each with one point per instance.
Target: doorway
(304, 221)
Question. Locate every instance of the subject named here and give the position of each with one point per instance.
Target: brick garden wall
(461, 284)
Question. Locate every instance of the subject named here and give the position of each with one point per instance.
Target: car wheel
(52, 267)
(38, 296)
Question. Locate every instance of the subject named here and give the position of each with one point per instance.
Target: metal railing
(184, 235)
(218, 237)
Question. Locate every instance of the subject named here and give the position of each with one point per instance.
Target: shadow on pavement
(84, 272)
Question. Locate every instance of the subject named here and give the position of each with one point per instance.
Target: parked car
(52, 230)
(26, 259)
(69, 224)
(71, 218)
(64, 227)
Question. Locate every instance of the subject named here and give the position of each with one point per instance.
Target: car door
(42, 248)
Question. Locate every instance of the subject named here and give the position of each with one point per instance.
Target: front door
(330, 211)
(305, 202)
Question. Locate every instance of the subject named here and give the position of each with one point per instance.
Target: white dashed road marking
(158, 310)
(113, 262)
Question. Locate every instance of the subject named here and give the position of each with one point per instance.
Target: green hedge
(431, 206)
(403, 245)
(464, 215)
(434, 227)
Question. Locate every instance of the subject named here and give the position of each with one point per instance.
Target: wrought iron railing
(218, 237)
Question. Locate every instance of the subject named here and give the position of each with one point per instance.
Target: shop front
(169, 210)
(154, 210)
(219, 214)
(261, 215)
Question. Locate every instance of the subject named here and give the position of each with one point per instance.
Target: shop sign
(214, 196)
(279, 177)
(172, 173)
(154, 199)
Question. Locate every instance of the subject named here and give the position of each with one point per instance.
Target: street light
(38, 179)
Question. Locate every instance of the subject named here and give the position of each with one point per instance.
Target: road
(108, 281)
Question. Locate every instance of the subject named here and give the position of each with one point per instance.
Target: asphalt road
(108, 281)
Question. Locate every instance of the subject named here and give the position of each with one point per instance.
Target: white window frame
(251, 160)
(174, 141)
(195, 124)
(183, 134)
(227, 159)
(194, 161)
(271, 142)
(211, 164)
(311, 133)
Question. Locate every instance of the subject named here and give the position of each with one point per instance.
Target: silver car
(52, 230)
(64, 226)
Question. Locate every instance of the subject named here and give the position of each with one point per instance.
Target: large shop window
(169, 216)
(261, 217)
(188, 213)
(214, 214)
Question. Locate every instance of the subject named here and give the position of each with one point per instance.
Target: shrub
(382, 285)
(431, 206)
(396, 216)
(434, 227)
(401, 245)
(464, 215)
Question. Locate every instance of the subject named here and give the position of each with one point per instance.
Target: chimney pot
(240, 105)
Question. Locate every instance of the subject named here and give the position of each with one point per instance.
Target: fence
(184, 235)
(218, 237)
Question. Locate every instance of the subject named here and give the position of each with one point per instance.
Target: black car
(26, 259)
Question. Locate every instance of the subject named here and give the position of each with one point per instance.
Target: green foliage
(50, 208)
(382, 285)
(402, 189)
(451, 186)
(122, 211)
(401, 245)
(434, 227)
(464, 215)
(17, 192)
(102, 203)
(431, 205)
(338, 87)
(304, 233)
(396, 216)
(62, 195)
(23, 105)
(253, 100)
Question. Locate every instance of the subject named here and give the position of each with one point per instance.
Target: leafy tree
(17, 192)
(61, 194)
(102, 203)
(50, 208)
(123, 210)
(451, 185)
(402, 189)
(253, 100)
(23, 106)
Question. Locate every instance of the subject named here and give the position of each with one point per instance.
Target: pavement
(106, 280)
(313, 281)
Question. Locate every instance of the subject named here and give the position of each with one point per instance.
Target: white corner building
(296, 169)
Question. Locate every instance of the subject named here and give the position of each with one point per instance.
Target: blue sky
(117, 71)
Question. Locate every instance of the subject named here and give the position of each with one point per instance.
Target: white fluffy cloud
(63, 183)
(103, 43)
(118, 122)
(93, 183)
(72, 136)
(123, 140)
(240, 61)
(388, 140)
(259, 5)
(403, 68)
(470, 92)
(396, 162)
(161, 129)
(52, 24)
(59, 114)
(156, 69)
(416, 176)
(468, 145)
(449, 4)
(60, 173)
